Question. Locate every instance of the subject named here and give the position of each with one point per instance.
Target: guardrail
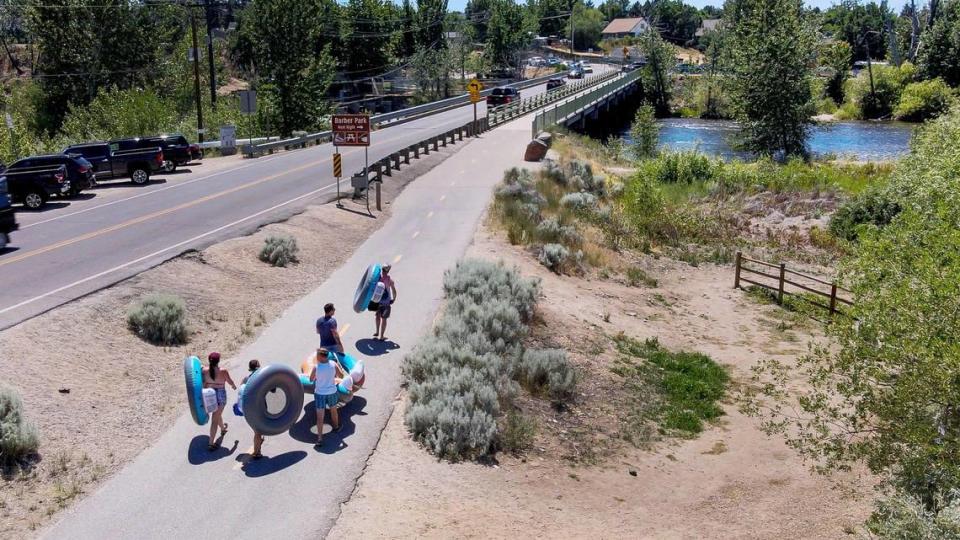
(391, 162)
(392, 118)
(509, 111)
(563, 111)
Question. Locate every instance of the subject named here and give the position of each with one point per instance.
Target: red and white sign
(351, 130)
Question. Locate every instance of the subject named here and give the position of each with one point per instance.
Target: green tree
(771, 49)
(837, 56)
(676, 21)
(431, 15)
(477, 13)
(588, 26)
(507, 33)
(407, 44)
(613, 9)
(366, 38)
(292, 55)
(645, 133)
(939, 53)
(656, 77)
(550, 17)
(862, 26)
(886, 392)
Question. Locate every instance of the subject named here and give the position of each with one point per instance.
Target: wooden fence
(783, 276)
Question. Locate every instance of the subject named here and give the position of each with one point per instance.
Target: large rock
(546, 137)
(536, 150)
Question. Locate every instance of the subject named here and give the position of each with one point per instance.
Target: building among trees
(619, 28)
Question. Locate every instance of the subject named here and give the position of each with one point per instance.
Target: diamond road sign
(351, 129)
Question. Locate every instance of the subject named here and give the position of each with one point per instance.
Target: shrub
(923, 100)
(636, 276)
(645, 132)
(159, 319)
(553, 171)
(518, 433)
(902, 516)
(547, 371)
(491, 326)
(554, 256)
(452, 427)
(279, 250)
(874, 207)
(18, 438)
(580, 176)
(684, 168)
(551, 231)
(481, 280)
(580, 201)
(888, 83)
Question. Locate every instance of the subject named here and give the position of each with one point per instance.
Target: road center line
(169, 248)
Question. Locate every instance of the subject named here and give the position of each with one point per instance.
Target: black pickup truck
(33, 186)
(110, 161)
(176, 150)
(8, 222)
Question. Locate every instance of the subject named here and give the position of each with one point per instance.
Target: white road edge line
(158, 252)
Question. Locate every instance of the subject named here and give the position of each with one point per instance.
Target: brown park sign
(351, 130)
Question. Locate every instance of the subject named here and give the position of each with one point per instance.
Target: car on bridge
(587, 68)
(555, 82)
(110, 160)
(79, 170)
(575, 73)
(34, 186)
(502, 96)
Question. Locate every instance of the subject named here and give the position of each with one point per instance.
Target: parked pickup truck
(502, 96)
(110, 161)
(8, 222)
(79, 170)
(34, 186)
(176, 150)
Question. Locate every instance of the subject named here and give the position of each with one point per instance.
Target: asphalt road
(77, 247)
(177, 489)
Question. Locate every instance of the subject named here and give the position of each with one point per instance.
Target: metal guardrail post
(384, 165)
(416, 151)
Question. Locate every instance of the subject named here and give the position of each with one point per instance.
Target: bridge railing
(509, 111)
(562, 111)
(382, 120)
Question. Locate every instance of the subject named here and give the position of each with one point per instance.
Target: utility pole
(573, 56)
(213, 75)
(196, 74)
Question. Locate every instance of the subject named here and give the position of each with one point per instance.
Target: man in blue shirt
(327, 328)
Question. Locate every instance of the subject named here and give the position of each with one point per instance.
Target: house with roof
(618, 28)
(708, 25)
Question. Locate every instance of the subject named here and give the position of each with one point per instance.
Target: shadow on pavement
(256, 468)
(8, 249)
(198, 454)
(303, 430)
(109, 184)
(50, 205)
(374, 347)
(82, 196)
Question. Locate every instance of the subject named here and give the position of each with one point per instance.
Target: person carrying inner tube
(383, 307)
(325, 376)
(216, 378)
(253, 366)
(327, 328)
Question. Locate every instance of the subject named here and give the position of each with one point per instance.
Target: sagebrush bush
(491, 326)
(159, 319)
(580, 201)
(554, 172)
(279, 250)
(554, 256)
(874, 207)
(548, 371)
(452, 427)
(18, 437)
(905, 517)
(482, 280)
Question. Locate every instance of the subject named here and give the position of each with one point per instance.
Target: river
(861, 141)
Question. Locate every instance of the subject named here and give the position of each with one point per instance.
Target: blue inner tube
(346, 362)
(193, 376)
(262, 386)
(364, 293)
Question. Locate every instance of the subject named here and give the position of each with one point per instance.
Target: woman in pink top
(389, 297)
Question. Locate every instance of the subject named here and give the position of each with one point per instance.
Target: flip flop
(257, 455)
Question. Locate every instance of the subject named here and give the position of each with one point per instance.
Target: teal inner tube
(364, 293)
(273, 399)
(193, 376)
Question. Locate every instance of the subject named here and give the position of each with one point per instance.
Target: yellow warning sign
(337, 165)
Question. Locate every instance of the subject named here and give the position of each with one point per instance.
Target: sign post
(248, 107)
(338, 172)
(353, 130)
(474, 87)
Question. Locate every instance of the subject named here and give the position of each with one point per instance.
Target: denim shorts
(221, 396)
(328, 401)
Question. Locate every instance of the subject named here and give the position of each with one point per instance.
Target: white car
(587, 68)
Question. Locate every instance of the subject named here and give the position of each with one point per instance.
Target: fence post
(385, 164)
(416, 151)
(736, 274)
(783, 271)
(833, 298)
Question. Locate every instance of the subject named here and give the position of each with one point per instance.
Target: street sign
(475, 97)
(337, 165)
(228, 139)
(474, 86)
(248, 101)
(351, 130)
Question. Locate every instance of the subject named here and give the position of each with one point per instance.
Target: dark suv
(502, 96)
(79, 171)
(176, 150)
(555, 82)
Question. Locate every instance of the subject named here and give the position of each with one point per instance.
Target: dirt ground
(730, 482)
(99, 395)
